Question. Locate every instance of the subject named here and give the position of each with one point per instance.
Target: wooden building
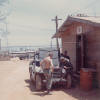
(80, 36)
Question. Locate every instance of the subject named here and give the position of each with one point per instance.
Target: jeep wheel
(31, 78)
(69, 81)
(38, 83)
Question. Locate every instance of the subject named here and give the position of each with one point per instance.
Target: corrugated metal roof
(95, 21)
(92, 19)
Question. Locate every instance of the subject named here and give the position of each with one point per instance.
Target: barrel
(85, 79)
(98, 74)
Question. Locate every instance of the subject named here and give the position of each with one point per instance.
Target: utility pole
(56, 21)
(0, 44)
(6, 31)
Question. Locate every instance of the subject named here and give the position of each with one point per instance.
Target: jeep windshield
(42, 53)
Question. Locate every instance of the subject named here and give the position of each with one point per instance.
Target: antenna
(4, 10)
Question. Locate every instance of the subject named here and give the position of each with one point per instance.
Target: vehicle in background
(23, 54)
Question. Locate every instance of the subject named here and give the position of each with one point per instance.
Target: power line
(93, 3)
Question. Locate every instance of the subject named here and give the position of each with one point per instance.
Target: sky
(30, 21)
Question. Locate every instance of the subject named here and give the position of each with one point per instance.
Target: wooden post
(56, 21)
(57, 42)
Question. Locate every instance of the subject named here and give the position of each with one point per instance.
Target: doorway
(78, 53)
(81, 56)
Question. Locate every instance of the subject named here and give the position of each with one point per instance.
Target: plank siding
(93, 44)
(93, 50)
(68, 43)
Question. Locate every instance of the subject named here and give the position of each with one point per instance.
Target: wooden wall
(69, 39)
(93, 44)
(93, 50)
(68, 43)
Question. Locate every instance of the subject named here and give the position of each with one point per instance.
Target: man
(65, 61)
(64, 58)
(47, 67)
(65, 55)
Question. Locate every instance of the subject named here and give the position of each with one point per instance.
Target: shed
(81, 38)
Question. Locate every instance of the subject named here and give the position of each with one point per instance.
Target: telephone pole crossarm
(56, 21)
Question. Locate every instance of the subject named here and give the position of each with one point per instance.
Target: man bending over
(47, 67)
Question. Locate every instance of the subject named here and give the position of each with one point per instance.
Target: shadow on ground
(83, 95)
(31, 86)
(73, 92)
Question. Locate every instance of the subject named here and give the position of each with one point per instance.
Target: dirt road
(15, 85)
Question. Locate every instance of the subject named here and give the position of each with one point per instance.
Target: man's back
(47, 66)
(47, 63)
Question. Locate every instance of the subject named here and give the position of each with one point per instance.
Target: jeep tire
(38, 82)
(69, 81)
(31, 78)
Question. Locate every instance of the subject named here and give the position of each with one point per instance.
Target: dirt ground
(15, 85)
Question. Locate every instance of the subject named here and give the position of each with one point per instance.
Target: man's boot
(48, 91)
